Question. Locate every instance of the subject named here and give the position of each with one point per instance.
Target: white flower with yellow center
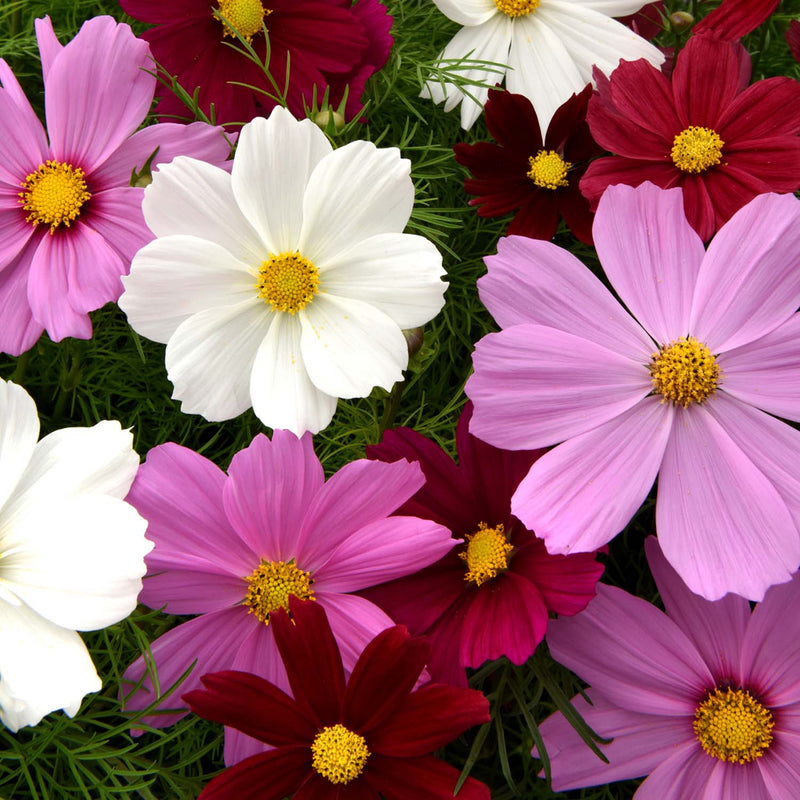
(71, 555)
(549, 46)
(287, 283)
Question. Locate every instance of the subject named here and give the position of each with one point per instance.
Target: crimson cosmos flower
(722, 143)
(337, 740)
(492, 596)
(522, 172)
(329, 43)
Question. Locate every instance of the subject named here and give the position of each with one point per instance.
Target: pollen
(54, 195)
(732, 725)
(696, 149)
(684, 372)
(339, 754)
(517, 8)
(272, 583)
(287, 281)
(244, 17)
(486, 554)
(548, 169)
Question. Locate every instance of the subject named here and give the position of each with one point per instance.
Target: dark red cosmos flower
(735, 18)
(337, 741)
(722, 143)
(330, 43)
(492, 596)
(522, 172)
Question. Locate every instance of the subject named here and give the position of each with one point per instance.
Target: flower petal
(424, 778)
(467, 12)
(781, 775)
(116, 214)
(20, 329)
(19, 430)
(685, 773)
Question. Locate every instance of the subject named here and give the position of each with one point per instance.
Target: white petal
(349, 347)
(191, 197)
(43, 668)
(612, 8)
(283, 395)
(210, 358)
(356, 192)
(467, 12)
(398, 273)
(274, 160)
(78, 561)
(19, 429)
(177, 276)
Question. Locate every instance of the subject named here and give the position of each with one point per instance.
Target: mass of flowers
(352, 449)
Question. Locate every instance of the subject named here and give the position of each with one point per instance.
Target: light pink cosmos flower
(704, 699)
(70, 221)
(680, 394)
(233, 548)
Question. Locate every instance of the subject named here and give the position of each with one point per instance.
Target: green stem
(391, 407)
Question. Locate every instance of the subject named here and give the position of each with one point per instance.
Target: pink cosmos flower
(704, 699)
(681, 394)
(234, 548)
(70, 221)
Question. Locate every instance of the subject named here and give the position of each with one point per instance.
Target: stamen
(244, 16)
(517, 8)
(685, 372)
(548, 169)
(54, 194)
(271, 585)
(486, 554)
(696, 149)
(287, 281)
(339, 754)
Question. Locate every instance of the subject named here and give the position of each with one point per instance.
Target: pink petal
(97, 92)
(15, 233)
(650, 254)
(49, 46)
(631, 653)
(740, 781)
(750, 280)
(766, 372)
(534, 386)
(191, 591)
(684, 774)
(535, 281)
(116, 214)
(720, 521)
(716, 629)
(19, 330)
(268, 483)
(564, 497)
(780, 769)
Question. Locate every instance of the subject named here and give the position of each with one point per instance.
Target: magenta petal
(116, 214)
(720, 521)
(631, 653)
(15, 233)
(19, 330)
(564, 497)
(95, 269)
(49, 46)
(684, 774)
(780, 770)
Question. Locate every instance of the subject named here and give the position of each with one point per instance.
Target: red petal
(567, 120)
(576, 211)
(424, 778)
(156, 12)
(731, 188)
(444, 665)
(538, 218)
(512, 122)
(641, 94)
(735, 18)
(605, 172)
(773, 163)
(698, 205)
(767, 108)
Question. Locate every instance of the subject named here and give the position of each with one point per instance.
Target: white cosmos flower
(71, 555)
(285, 284)
(549, 46)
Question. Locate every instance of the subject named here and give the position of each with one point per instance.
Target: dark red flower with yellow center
(722, 143)
(330, 43)
(539, 179)
(334, 740)
(493, 595)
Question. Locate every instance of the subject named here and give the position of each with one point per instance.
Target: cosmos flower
(704, 699)
(368, 737)
(683, 388)
(71, 555)
(70, 221)
(234, 548)
(284, 285)
(548, 45)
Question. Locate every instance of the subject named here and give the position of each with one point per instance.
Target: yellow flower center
(287, 281)
(54, 195)
(517, 8)
(685, 372)
(272, 583)
(696, 149)
(486, 554)
(339, 754)
(548, 169)
(242, 16)
(732, 725)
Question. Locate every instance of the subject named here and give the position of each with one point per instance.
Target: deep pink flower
(684, 389)
(359, 739)
(70, 222)
(329, 43)
(470, 620)
(234, 548)
(704, 699)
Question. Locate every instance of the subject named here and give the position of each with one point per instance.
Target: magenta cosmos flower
(704, 699)
(493, 596)
(234, 548)
(361, 739)
(722, 143)
(69, 218)
(681, 393)
(329, 43)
